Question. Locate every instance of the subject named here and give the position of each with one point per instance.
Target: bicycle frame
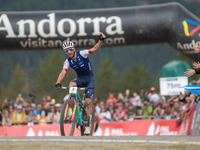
(76, 99)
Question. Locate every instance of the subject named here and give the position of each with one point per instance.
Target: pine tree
(16, 83)
(136, 79)
(126, 79)
(106, 80)
(141, 77)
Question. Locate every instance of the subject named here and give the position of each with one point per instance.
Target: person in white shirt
(136, 100)
(104, 116)
(153, 96)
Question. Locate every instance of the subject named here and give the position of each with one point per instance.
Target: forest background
(116, 68)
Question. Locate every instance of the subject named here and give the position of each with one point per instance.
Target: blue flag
(193, 89)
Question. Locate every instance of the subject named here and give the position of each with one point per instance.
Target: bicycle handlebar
(80, 88)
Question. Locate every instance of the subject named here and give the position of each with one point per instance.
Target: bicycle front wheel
(67, 125)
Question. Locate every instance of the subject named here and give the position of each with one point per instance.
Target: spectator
(188, 105)
(1, 116)
(48, 98)
(162, 98)
(6, 103)
(120, 98)
(18, 116)
(97, 108)
(131, 113)
(170, 106)
(126, 105)
(19, 99)
(158, 111)
(111, 98)
(53, 116)
(97, 99)
(58, 107)
(153, 96)
(24, 110)
(39, 107)
(176, 109)
(102, 104)
(47, 107)
(44, 100)
(143, 94)
(112, 110)
(119, 113)
(31, 119)
(127, 93)
(6, 121)
(104, 116)
(26, 105)
(11, 110)
(42, 119)
(146, 110)
(33, 108)
(136, 100)
(53, 101)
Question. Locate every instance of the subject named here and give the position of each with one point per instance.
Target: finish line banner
(161, 23)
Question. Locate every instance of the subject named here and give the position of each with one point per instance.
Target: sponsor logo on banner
(31, 132)
(160, 130)
(189, 31)
(113, 132)
(186, 28)
(40, 33)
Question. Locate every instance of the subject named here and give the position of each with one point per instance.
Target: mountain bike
(74, 113)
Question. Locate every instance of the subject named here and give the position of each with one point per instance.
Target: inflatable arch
(163, 23)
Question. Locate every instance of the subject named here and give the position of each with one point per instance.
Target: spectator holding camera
(158, 111)
(19, 99)
(146, 109)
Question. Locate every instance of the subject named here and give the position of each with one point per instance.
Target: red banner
(131, 128)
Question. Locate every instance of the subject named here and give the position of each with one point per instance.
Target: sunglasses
(69, 50)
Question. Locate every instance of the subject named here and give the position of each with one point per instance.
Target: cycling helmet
(152, 89)
(68, 45)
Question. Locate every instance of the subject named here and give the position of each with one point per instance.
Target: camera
(32, 97)
(19, 95)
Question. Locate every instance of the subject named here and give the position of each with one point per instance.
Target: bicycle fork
(73, 110)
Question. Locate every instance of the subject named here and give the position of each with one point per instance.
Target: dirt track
(97, 143)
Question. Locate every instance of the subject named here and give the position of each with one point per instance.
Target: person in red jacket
(111, 98)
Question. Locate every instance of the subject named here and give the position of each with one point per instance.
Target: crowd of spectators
(144, 105)
(126, 107)
(26, 112)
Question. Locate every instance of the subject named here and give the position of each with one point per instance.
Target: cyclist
(80, 62)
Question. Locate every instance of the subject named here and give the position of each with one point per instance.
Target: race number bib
(73, 90)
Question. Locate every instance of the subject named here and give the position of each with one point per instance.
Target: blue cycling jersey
(82, 65)
(83, 68)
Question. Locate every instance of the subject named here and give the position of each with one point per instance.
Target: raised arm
(98, 45)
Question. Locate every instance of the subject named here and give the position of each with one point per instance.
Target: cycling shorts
(85, 81)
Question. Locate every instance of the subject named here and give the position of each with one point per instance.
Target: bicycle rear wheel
(67, 126)
(91, 126)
